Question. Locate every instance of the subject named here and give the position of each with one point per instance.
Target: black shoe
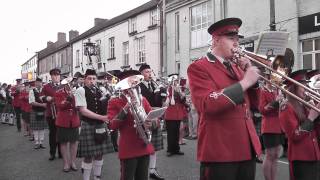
(258, 160)
(37, 146)
(42, 147)
(73, 168)
(52, 158)
(179, 153)
(156, 175)
(60, 156)
(169, 154)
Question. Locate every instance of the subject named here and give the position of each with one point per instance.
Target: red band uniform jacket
(67, 115)
(16, 99)
(49, 90)
(270, 117)
(226, 132)
(24, 101)
(130, 144)
(177, 111)
(302, 145)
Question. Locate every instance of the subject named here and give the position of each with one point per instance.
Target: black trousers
(173, 128)
(114, 139)
(53, 137)
(243, 170)
(306, 170)
(17, 110)
(135, 168)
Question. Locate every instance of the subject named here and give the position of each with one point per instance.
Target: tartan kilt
(25, 116)
(38, 122)
(87, 146)
(8, 108)
(157, 139)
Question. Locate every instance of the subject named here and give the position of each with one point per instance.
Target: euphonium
(130, 89)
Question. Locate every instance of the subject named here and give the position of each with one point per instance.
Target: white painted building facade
(29, 69)
(187, 22)
(129, 39)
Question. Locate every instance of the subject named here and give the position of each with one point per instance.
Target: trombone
(315, 85)
(266, 64)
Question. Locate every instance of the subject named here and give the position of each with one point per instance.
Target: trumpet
(267, 65)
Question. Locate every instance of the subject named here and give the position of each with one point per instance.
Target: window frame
(77, 58)
(177, 31)
(111, 47)
(133, 25)
(199, 24)
(141, 49)
(125, 53)
(313, 52)
(153, 17)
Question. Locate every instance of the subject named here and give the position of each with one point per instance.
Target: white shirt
(3, 93)
(80, 97)
(31, 97)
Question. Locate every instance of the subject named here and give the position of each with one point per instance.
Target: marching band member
(184, 128)
(49, 91)
(26, 109)
(79, 80)
(134, 154)
(38, 122)
(221, 92)
(104, 86)
(3, 99)
(298, 124)
(175, 113)
(94, 141)
(68, 124)
(15, 93)
(151, 92)
(271, 130)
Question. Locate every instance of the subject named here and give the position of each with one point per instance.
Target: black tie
(55, 86)
(227, 64)
(150, 87)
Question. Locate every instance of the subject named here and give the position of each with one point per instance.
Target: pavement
(19, 161)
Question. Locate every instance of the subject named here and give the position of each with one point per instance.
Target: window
(177, 31)
(62, 61)
(98, 50)
(133, 25)
(78, 58)
(126, 53)
(141, 50)
(311, 53)
(153, 17)
(111, 48)
(201, 18)
(53, 62)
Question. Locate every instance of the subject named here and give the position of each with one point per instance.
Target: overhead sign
(249, 45)
(309, 24)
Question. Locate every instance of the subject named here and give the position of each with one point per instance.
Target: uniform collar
(211, 57)
(146, 82)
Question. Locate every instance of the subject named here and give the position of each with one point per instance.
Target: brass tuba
(130, 89)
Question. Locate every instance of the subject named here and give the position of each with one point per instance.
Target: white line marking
(283, 162)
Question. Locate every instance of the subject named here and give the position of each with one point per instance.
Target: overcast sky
(27, 25)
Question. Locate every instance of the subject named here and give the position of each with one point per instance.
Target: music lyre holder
(272, 43)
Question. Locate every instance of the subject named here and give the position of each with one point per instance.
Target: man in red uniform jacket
(134, 153)
(49, 91)
(227, 140)
(15, 92)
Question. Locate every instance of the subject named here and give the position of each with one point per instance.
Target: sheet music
(156, 113)
(275, 41)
